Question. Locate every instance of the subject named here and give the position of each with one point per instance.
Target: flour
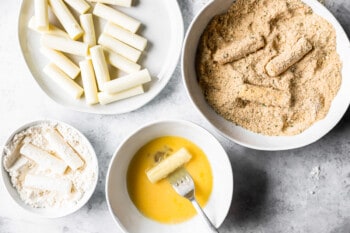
(19, 166)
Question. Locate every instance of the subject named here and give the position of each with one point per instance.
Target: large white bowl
(238, 134)
(48, 212)
(124, 212)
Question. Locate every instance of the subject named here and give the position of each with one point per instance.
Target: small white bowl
(124, 212)
(238, 134)
(49, 212)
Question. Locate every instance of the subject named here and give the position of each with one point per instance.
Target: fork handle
(204, 216)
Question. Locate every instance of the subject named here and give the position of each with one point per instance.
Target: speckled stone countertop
(303, 190)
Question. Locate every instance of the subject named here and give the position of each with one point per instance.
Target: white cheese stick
(87, 24)
(129, 38)
(20, 164)
(127, 82)
(282, 62)
(89, 81)
(60, 60)
(65, 45)
(126, 3)
(100, 66)
(80, 6)
(66, 19)
(53, 30)
(64, 150)
(117, 17)
(168, 165)
(119, 47)
(41, 10)
(48, 183)
(121, 62)
(106, 98)
(43, 158)
(63, 81)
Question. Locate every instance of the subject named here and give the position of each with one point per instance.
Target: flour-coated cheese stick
(117, 17)
(53, 30)
(66, 18)
(41, 10)
(89, 81)
(87, 24)
(128, 81)
(66, 45)
(119, 47)
(239, 49)
(80, 6)
(63, 81)
(106, 98)
(100, 66)
(60, 60)
(282, 62)
(125, 36)
(41, 182)
(121, 62)
(126, 3)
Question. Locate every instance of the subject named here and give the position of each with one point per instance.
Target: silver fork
(183, 184)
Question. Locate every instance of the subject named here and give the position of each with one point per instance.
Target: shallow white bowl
(46, 212)
(238, 134)
(124, 212)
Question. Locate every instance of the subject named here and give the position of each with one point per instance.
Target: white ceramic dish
(239, 134)
(46, 212)
(124, 212)
(163, 27)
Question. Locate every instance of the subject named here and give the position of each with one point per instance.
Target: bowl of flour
(49, 168)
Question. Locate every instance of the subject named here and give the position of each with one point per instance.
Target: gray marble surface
(302, 190)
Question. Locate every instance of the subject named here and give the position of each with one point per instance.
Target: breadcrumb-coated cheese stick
(126, 3)
(66, 45)
(63, 62)
(66, 19)
(117, 17)
(41, 14)
(87, 24)
(282, 62)
(119, 47)
(264, 95)
(80, 6)
(125, 36)
(63, 81)
(121, 62)
(100, 66)
(239, 49)
(53, 30)
(89, 81)
(127, 82)
(106, 98)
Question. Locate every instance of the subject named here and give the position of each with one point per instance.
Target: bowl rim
(151, 124)
(5, 175)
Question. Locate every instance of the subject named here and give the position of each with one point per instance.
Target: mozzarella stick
(87, 24)
(100, 66)
(63, 81)
(106, 98)
(126, 3)
(127, 82)
(63, 62)
(66, 19)
(41, 14)
(80, 6)
(121, 62)
(89, 81)
(48, 183)
(66, 45)
(119, 47)
(129, 38)
(43, 158)
(239, 49)
(264, 95)
(64, 150)
(282, 62)
(53, 30)
(117, 17)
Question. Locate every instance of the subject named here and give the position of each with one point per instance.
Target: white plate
(124, 212)
(162, 26)
(245, 137)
